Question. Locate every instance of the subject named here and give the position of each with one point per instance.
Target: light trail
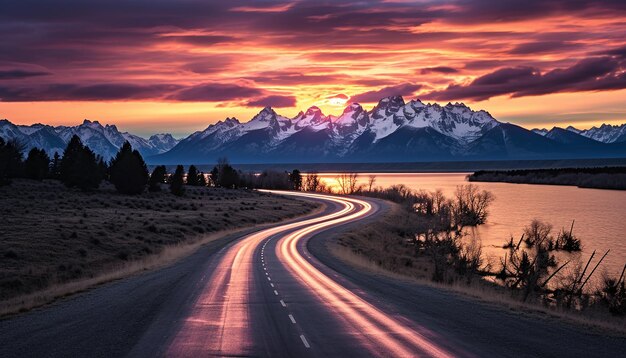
(219, 321)
(376, 327)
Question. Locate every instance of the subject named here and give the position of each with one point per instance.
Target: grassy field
(51, 235)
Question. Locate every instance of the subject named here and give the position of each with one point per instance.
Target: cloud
(209, 64)
(206, 92)
(18, 74)
(273, 101)
(405, 89)
(529, 48)
(296, 78)
(215, 92)
(201, 40)
(438, 69)
(592, 74)
(76, 92)
(339, 96)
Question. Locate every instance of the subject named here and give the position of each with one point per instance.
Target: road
(263, 293)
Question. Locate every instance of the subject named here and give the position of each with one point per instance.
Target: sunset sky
(176, 66)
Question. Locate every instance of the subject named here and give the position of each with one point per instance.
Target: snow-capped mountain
(103, 140)
(392, 131)
(606, 133)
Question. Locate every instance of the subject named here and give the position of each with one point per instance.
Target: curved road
(264, 294)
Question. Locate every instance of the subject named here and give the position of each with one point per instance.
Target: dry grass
(55, 240)
(381, 249)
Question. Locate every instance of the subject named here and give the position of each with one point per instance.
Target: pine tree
(128, 171)
(177, 181)
(10, 160)
(192, 176)
(79, 166)
(55, 166)
(37, 164)
(157, 178)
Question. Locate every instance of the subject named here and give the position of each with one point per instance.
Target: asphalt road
(277, 292)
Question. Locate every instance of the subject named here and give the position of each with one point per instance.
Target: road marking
(269, 279)
(267, 274)
(264, 268)
(283, 303)
(271, 284)
(293, 320)
(276, 292)
(303, 338)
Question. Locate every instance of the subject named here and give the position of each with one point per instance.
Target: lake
(600, 215)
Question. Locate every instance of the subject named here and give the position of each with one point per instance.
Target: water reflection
(600, 214)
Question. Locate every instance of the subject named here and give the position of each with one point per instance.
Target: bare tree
(471, 205)
(312, 182)
(347, 183)
(370, 182)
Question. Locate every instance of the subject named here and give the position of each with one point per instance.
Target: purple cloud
(76, 92)
(405, 90)
(215, 92)
(438, 69)
(592, 74)
(273, 101)
(18, 74)
(543, 47)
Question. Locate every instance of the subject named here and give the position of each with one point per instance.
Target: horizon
(333, 115)
(178, 67)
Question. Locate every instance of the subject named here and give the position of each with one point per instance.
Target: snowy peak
(353, 121)
(265, 115)
(313, 118)
(387, 106)
(453, 120)
(103, 140)
(162, 141)
(606, 133)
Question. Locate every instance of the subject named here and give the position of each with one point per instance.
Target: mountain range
(103, 140)
(392, 131)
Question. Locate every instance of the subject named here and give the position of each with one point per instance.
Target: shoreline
(604, 178)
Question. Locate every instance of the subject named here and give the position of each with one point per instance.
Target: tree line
(79, 167)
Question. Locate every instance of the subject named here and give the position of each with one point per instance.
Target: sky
(152, 66)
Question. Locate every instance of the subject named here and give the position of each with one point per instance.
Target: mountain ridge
(392, 131)
(103, 140)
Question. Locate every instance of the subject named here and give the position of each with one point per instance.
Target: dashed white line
(283, 303)
(303, 338)
(269, 279)
(271, 284)
(267, 274)
(293, 320)
(276, 292)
